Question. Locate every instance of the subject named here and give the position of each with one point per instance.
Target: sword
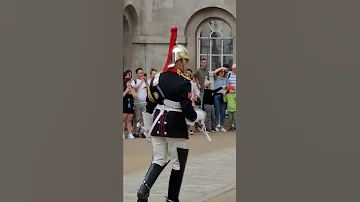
(201, 123)
(203, 130)
(145, 132)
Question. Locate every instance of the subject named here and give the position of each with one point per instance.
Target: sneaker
(216, 129)
(131, 136)
(191, 132)
(222, 129)
(123, 136)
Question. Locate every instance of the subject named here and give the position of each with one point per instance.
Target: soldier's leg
(160, 150)
(178, 154)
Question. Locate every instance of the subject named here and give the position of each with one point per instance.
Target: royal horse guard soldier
(170, 110)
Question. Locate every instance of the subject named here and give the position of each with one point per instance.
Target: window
(215, 43)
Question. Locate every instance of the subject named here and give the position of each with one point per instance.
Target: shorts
(127, 110)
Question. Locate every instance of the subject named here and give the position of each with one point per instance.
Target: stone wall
(150, 22)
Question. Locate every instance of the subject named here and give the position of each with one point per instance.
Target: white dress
(194, 89)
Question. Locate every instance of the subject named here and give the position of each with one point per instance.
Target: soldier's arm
(186, 104)
(150, 105)
(150, 100)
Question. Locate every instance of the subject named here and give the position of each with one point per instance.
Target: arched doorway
(130, 29)
(215, 43)
(211, 24)
(126, 39)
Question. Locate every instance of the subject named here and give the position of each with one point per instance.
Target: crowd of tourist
(217, 99)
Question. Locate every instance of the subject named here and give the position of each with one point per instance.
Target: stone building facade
(206, 27)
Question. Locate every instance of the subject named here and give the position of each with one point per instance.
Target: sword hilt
(145, 131)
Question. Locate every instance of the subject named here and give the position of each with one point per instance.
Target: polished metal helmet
(179, 52)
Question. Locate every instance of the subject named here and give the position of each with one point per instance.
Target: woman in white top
(195, 89)
(195, 93)
(153, 72)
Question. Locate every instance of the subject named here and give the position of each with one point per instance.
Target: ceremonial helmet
(176, 51)
(179, 52)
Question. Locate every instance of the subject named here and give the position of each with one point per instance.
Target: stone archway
(196, 20)
(133, 19)
(126, 36)
(130, 29)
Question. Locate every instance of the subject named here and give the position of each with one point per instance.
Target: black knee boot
(150, 178)
(176, 177)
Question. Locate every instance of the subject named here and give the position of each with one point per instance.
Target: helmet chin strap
(178, 66)
(182, 68)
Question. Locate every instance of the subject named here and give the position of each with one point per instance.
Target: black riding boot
(150, 178)
(176, 176)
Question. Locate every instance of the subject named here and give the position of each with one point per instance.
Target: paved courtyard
(210, 172)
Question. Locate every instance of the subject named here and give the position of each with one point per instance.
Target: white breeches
(164, 147)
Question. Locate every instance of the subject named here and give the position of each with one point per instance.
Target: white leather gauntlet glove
(200, 117)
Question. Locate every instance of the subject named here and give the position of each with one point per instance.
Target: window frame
(210, 54)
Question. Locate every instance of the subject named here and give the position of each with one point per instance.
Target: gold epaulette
(154, 83)
(156, 79)
(183, 75)
(151, 98)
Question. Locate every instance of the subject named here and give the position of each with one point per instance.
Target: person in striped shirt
(232, 77)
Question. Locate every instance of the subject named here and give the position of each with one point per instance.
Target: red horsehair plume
(172, 44)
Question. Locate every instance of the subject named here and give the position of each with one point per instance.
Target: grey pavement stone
(206, 176)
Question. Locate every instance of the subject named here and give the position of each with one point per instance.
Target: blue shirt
(219, 82)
